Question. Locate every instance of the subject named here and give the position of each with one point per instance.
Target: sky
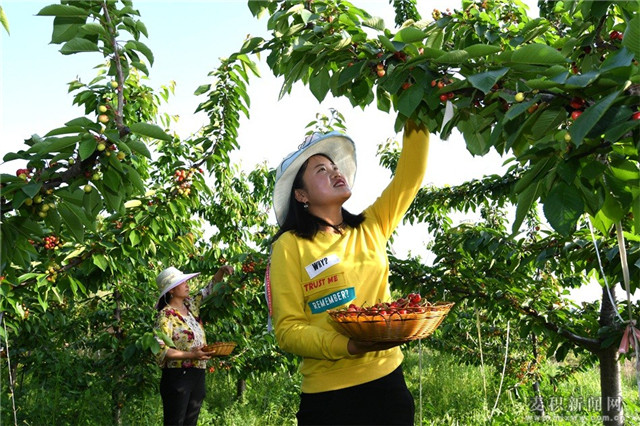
(188, 38)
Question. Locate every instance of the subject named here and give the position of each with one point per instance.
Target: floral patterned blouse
(186, 332)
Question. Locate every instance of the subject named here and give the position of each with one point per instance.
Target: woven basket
(416, 324)
(219, 348)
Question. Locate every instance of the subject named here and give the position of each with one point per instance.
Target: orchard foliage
(107, 200)
(558, 92)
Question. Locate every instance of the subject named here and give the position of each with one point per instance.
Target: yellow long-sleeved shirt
(309, 277)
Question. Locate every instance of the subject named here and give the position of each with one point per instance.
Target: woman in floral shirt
(183, 363)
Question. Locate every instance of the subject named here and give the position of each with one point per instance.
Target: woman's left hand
(224, 270)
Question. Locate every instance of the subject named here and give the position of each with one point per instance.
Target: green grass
(449, 394)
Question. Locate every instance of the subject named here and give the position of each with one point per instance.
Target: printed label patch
(332, 300)
(317, 267)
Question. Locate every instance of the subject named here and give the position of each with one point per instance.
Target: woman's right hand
(199, 354)
(358, 347)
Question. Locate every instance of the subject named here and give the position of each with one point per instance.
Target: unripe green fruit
(114, 84)
(45, 207)
(121, 155)
(102, 108)
(28, 202)
(37, 199)
(42, 214)
(567, 137)
(103, 118)
(519, 97)
(101, 147)
(96, 176)
(88, 188)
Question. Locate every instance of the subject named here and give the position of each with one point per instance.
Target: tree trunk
(611, 395)
(538, 406)
(241, 387)
(116, 393)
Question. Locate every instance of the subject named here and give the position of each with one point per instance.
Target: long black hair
(300, 221)
(164, 301)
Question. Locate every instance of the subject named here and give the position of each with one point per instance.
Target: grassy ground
(446, 393)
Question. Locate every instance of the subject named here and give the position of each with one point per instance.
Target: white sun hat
(337, 146)
(171, 278)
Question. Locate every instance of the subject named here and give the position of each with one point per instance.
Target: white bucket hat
(170, 278)
(337, 146)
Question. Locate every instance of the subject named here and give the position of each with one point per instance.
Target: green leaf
(374, 22)
(617, 131)
(625, 170)
(80, 121)
(410, 35)
(142, 48)
(477, 50)
(134, 238)
(563, 207)
(72, 219)
(149, 130)
(77, 45)
(54, 144)
(62, 10)
(134, 178)
(612, 208)
(64, 130)
(452, 57)
(4, 21)
(66, 28)
(387, 43)
(140, 148)
(581, 80)
(93, 29)
(486, 80)
(537, 54)
(547, 122)
(204, 88)
(590, 117)
(524, 203)
(319, 84)
(631, 37)
(32, 189)
(533, 174)
(619, 59)
(100, 261)
(409, 100)
(87, 147)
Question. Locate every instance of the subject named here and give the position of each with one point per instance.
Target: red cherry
(576, 103)
(576, 114)
(444, 97)
(636, 116)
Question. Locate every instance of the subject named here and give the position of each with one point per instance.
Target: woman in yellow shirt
(323, 257)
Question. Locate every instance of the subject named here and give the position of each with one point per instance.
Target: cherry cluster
(23, 173)
(615, 35)
(577, 104)
(440, 84)
(412, 303)
(184, 178)
(248, 267)
(52, 273)
(51, 242)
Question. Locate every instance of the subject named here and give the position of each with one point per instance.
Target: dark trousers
(182, 391)
(385, 401)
